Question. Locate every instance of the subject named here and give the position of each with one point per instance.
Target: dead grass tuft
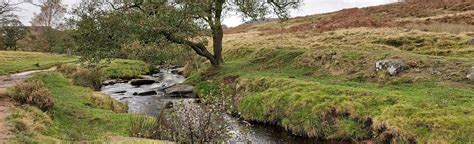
(34, 93)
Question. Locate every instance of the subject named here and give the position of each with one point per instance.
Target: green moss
(121, 68)
(316, 101)
(15, 61)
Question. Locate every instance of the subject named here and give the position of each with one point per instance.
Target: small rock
(471, 41)
(147, 93)
(470, 75)
(109, 82)
(146, 77)
(139, 82)
(124, 98)
(169, 105)
(179, 71)
(436, 72)
(392, 66)
(120, 92)
(174, 66)
(182, 90)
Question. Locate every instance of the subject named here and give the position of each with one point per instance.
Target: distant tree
(47, 23)
(51, 15)
(6, 14)
(12, 31)
(187, 23)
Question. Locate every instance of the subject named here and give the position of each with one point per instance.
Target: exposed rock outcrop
(471, 41)
(470, 75)
(391, 66)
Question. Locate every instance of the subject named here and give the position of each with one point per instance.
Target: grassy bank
(15, 61)
(325, 85)
(79, 114)
(122, 68)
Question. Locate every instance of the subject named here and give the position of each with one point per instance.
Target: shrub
(107, 102)
(185, 122)
(68, 69)
(88, 77)
(142, 127)
(33, 93)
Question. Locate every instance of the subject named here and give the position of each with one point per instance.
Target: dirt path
(6, 104)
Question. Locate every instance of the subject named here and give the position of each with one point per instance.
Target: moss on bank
(325, 85)
(122, 68)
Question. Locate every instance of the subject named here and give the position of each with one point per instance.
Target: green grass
(332, 91)
(15, 61)
(122, 68)
(75, 117)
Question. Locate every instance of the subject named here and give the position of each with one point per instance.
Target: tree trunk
(217, 44)
(217, 32)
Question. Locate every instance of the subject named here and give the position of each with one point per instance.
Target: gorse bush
(33, 93)
(88, 77)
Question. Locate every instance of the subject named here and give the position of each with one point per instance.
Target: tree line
(137, 29)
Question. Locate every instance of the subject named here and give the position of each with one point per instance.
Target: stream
(149, 99)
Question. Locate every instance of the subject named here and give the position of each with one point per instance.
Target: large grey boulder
(391, 66)
(471, 41)
(182, 90)
(139, 82)
(470, 75)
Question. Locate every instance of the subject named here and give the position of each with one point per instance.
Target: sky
(309, 7)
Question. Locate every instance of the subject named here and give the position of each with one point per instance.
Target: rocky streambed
(149, 94)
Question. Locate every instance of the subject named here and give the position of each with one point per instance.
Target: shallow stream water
(240, 130)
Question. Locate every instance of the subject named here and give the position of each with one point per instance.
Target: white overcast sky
(309, 7)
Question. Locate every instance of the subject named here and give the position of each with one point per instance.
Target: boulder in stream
(109, 82)
(139, 82)
(146, 93)
(179, 71)
(182, 90)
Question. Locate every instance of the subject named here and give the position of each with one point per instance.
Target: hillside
(390, 15)
(321, 75)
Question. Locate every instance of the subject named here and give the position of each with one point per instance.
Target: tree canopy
(103, 28)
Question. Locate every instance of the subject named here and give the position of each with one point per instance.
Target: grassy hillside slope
(323, 83)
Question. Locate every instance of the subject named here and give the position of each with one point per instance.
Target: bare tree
(47, 23)
(51, 15)
(5, 8)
